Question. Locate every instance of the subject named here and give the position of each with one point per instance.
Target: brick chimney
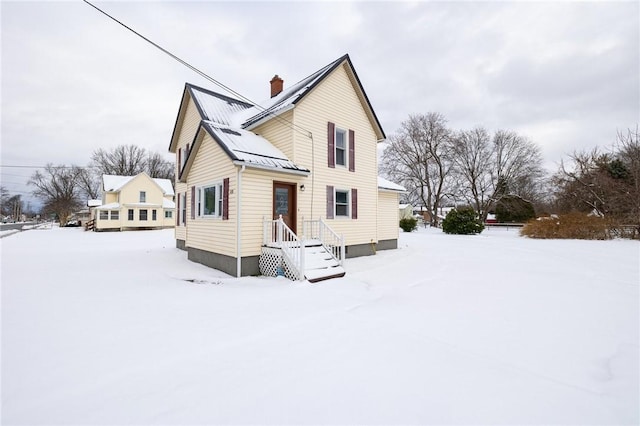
(276, 85)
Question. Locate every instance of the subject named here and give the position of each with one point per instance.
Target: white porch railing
(276, 233)
(320, 231)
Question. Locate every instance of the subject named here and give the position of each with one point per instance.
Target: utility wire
(199, 72)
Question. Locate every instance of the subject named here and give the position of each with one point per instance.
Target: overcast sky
(564, 74)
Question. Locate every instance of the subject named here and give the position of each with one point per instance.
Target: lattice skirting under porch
(271, 260)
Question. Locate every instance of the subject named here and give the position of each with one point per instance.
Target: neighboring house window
(210, 200)
(168, 214)
(143, 197)
(130, 214)
(104, 214)
(342, 203)
(341, 147)
(154, 214)
(115, 214)
(142, 214)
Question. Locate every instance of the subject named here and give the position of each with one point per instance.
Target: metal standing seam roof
(243, 145)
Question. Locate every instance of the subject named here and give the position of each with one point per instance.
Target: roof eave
(272, 169)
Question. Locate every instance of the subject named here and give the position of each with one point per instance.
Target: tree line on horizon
(502, 172)
(65, 189)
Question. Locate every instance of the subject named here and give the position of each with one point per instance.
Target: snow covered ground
(120, 328)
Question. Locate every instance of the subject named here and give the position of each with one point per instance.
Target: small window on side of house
(142, 214)
(341, 147)
(342, 203)
(168, 214)
(104, 214)
(154, 214)
(115, 214)
(143, 197)
(130, 214)
(210, 200)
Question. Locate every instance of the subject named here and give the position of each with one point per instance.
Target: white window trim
(218, 201)
(346, 147)
(335, 204)
(143, 196)
(111, 214)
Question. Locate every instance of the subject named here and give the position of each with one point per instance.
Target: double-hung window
(143, 197)
(210, 200)
(168, 214)
(342, 203)
(143, 214)
(115, 215)
(104, 214)
(341, 147)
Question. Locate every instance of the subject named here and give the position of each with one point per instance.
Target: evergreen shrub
(462, 221)
(409, 224)
(512, 208)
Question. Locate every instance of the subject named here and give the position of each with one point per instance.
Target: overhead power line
(198, 71)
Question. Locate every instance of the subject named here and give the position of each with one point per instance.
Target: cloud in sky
(565, 74)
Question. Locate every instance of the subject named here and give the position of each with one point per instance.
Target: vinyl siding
(388, 215)
(212, 165)
(257, 195)
(110, 197)
(188, 129)
(278, 131)
(335, 100)
(129, 198)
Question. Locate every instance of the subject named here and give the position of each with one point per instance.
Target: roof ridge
(216, 94)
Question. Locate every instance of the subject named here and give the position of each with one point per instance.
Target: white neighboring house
(135, 202)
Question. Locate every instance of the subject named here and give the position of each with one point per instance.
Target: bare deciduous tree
(474, 163)
(57, 187)
(507, 164)
(123, 160)
(129, 160)
(158, 167)
(89, 182)
(607, 184)
(419, 157)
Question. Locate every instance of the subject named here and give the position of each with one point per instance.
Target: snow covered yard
(120, 328)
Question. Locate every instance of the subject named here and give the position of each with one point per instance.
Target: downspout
(238, 214)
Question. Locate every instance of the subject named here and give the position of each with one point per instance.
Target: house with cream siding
(135, 202)
(289, 186)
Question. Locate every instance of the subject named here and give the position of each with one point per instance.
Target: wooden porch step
(315, 275)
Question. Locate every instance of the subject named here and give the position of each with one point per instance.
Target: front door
(284, 203)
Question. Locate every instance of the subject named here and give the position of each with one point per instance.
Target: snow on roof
(214, 106)
(285, 99)
(168, 204)
(94, 203)
(245, 146)
(113, 183)
(166, 185)
(388, 185)
(108, 206)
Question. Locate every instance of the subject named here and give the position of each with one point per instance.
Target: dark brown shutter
(331, 139)
(354, 203)
(193, 202)
(178, 211)
(330, 207)
(225, 199)
(352, 151)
